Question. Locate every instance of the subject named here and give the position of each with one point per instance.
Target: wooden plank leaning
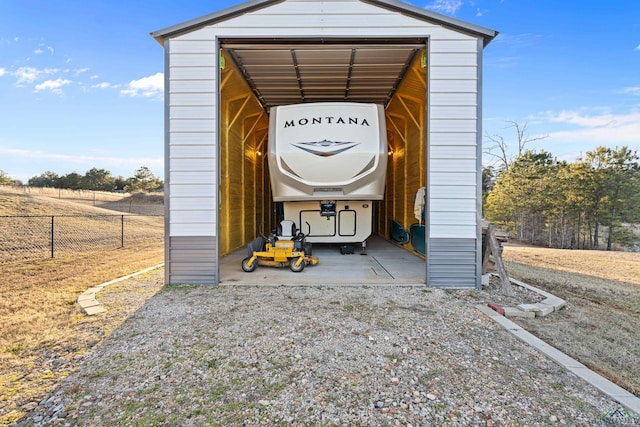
(494, 248)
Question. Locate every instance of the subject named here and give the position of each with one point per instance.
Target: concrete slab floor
(383, 264)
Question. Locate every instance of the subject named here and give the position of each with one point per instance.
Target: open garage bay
(383, 264)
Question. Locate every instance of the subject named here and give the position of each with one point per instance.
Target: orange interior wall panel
(244, 200)
(407, 137)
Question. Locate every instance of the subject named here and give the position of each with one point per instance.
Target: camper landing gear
(349, 249)
(280, 250)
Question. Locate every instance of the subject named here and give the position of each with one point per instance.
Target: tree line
(5, 179)
(94, 179)
(562, 204)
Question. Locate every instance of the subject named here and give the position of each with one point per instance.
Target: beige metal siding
(454, 109)
(454, 113)
(192, 133)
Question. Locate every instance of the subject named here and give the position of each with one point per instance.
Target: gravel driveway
(317, 356)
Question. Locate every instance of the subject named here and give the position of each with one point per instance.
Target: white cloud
(148, 87)
(40, 49)
(503, 62)
(632, 90)
(513, 46)
(26, 74)
(603, 128)
(30, 74)
(61, 161)
(52, 156)
(3, 71)
(105, 85)
(450, 7)
(81, 70)
(518, 41)
(54, 86)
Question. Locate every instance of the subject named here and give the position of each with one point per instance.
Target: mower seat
(287, 230)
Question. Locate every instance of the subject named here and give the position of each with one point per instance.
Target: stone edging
(625, 398)
(91, 305)
(550, 304)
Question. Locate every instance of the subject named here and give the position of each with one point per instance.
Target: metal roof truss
(290, 73)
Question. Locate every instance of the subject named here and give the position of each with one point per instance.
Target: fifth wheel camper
(327, 164)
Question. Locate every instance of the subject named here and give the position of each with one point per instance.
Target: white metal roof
(398, 6)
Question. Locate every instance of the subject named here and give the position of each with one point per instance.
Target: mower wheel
(296, 268)
(249, 267)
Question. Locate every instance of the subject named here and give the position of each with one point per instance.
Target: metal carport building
(223, 72)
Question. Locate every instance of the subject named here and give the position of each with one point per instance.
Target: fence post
(122, 231)
(52, 234)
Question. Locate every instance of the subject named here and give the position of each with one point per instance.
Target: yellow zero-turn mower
(284, 248)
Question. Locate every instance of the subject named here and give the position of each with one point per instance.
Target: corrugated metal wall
(193, 260)
(192, 130)
(190, 173)
(454, 163)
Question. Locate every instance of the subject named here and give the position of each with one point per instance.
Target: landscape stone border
(91, 305)
(547, 306)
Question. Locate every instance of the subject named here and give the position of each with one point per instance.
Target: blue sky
(81, 80)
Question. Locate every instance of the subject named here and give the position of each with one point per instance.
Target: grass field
(601, 324)
(42, 329)
(617, 266)
(28, 221)
(27, 200)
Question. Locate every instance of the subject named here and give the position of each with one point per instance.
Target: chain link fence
(30, 237)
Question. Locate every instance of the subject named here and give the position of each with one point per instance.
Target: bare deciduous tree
(504, 157)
